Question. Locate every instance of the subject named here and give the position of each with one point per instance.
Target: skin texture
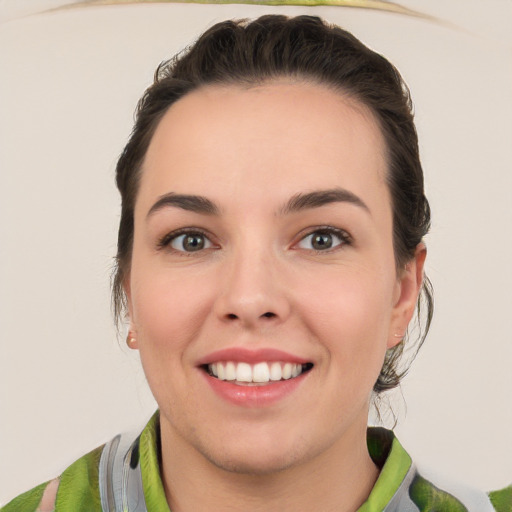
(259, 283)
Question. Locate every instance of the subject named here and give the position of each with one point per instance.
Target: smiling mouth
(259, 374)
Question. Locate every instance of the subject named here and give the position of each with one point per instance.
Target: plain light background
(69, 84)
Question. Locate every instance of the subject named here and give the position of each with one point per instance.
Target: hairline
(248, 82)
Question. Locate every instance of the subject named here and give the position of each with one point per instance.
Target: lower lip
(254, 396)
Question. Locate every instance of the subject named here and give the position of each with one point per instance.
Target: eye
(324, 239)
(189, 242)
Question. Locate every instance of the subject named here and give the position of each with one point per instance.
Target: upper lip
(251, 356)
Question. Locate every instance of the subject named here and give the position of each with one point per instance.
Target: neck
(339, 479)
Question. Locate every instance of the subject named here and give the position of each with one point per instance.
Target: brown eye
(323, 240)
(190, 242)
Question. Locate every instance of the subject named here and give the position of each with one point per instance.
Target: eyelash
(166, 241)
(343, 237)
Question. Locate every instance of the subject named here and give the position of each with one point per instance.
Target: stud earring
(130, 340)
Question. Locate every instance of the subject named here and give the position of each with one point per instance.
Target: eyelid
(165, 241)
(344, 237)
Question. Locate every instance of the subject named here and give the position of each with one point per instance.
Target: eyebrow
(319, 198)
(301, 201)
(191, 203)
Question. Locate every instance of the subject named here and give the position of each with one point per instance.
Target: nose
(252, 291)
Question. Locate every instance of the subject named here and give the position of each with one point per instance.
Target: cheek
(350, 316)
(167, 309)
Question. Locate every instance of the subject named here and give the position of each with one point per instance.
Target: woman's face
(263, 249)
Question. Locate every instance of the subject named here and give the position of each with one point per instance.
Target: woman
(270, 259)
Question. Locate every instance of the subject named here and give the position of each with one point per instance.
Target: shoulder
(26, 502)
(502, 499)
(402, 485)
(431, 491)
(78, 489)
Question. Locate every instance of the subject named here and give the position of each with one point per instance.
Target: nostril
(269, 314)
(232, 316)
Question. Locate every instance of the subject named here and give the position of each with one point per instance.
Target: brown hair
(304, 47)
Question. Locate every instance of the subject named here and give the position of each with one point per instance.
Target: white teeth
(287, 371)
(230, 371)
(244, 372)
(275, 371)
(259, 373)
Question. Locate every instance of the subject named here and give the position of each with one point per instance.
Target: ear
(131, 338)
(408, 288)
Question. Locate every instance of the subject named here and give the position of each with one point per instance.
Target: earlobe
(131, 337)
(131, 340)
(409, 287)
(128, 294)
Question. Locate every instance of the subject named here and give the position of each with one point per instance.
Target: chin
(259, 463)
(261, 448)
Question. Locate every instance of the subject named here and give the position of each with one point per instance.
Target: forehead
(278, 135)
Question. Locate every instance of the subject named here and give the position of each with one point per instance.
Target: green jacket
(399, 488)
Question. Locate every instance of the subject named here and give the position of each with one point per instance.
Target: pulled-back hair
(306, 48)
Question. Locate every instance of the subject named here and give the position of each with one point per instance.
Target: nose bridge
(252, 288)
